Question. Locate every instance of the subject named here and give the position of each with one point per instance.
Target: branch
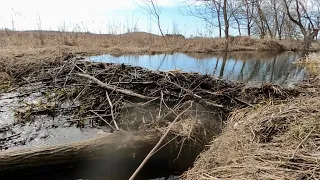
(158, 144)
(113, 88)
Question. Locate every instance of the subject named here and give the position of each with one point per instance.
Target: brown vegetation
(267, 142)
(278, 140)
(138, 42)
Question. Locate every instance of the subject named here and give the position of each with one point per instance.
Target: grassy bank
(140, 42)
(277, 140)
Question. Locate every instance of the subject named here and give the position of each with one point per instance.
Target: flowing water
(248, 67)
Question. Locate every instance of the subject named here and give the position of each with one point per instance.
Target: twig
(187, 90)
(75, 99)
(296, 150)
(210, 103)
(147, 82)
(102, 119)
(158, 144)
(149, 101)
(159, 115)
(78, 67)
(244, 102)
(112, 115)
(113, 88)
(9, 137)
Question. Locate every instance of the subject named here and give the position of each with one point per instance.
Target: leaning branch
(155, 148)
(113, 88)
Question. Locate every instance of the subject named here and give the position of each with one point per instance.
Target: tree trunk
(226, 24)
(226, 21)
(119, 145)
(239, 28)
(309, 38)
(249, 29)
(220, 28)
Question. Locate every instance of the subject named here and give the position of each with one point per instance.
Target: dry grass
(312, 63)
(138, 42)
(272, 141)
(268, 142)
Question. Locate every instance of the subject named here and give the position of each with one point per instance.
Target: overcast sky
(95, 15)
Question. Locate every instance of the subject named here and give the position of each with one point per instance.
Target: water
(248, 67)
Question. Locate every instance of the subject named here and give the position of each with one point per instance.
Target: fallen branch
(113, 88)
(158, 144)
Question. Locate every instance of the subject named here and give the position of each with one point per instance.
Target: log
(121, 146)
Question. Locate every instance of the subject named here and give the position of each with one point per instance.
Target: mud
(40, 129)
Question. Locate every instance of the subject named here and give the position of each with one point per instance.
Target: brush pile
(115, 96)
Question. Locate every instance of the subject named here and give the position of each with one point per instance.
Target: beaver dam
(76, 119)
(249, 67)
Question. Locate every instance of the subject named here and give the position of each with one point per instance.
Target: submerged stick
(103, 119)
(113, 88)
(158, 144)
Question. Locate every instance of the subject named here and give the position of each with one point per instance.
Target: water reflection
(241, 66)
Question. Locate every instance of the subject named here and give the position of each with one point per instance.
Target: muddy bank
(29, 118)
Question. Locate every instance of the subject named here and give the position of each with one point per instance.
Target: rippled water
(250, 67)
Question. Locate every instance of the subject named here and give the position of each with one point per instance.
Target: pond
(248, 67)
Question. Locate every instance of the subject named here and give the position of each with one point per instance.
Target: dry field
(138, 42)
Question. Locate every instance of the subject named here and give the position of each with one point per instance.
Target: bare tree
(248, 11)
(210, 11)
(264, 24)
(151, 7)
(306, 21)
(226, 19)
(279, 17)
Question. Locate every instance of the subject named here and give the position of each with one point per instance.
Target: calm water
(250, 67)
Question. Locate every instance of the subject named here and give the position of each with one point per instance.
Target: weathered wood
(113, 88)
(127, 146)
